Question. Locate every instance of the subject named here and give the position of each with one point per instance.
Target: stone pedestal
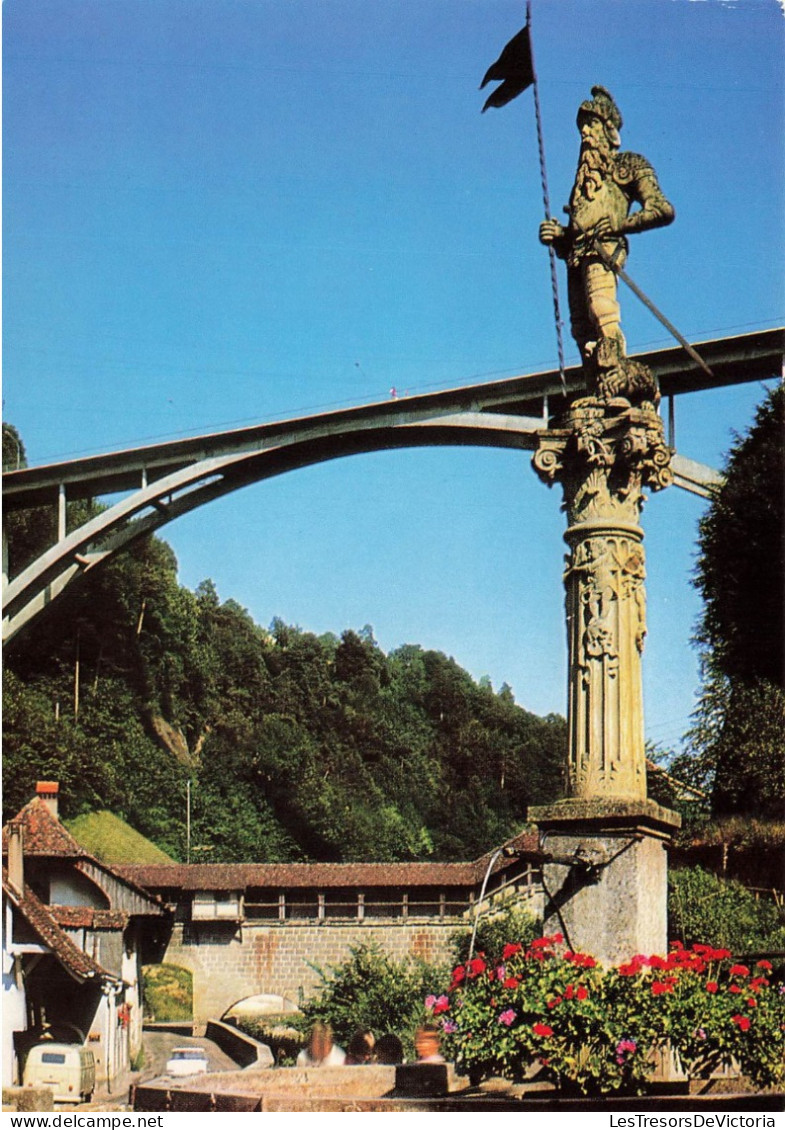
(606, 884)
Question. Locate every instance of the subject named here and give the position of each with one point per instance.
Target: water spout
(491, 862)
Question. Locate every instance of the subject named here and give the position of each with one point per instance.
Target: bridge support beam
(606, 882)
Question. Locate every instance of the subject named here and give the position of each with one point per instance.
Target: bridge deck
(748, 357)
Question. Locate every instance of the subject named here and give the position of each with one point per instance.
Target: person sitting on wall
(320, 1050)
(389, 1050)
(361, 1047)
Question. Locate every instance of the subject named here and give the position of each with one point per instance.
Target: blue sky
(224, 211)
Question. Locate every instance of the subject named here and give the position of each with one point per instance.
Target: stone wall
(230, 962)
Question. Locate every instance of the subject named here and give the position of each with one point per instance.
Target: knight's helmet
(602, 106)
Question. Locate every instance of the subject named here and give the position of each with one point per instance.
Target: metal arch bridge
(163, 481)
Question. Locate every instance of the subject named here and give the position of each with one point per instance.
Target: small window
(53, 1057)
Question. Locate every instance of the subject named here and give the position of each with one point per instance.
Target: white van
(67, 1069)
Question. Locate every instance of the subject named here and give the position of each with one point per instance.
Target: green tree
(735, 749)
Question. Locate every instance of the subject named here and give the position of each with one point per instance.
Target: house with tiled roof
(75, 935)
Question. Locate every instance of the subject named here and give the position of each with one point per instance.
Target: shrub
(493, 930)
(700, 905)
(372, 990)
(596, 1030)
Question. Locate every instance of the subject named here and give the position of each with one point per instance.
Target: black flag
(514, 69)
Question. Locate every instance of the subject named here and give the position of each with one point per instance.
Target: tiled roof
(44, 835)
(43, 832)
(90, 917)
(240, 876)
(79, 964)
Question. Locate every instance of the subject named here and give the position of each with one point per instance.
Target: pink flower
(507, 1016)
(622, 1048)
(449, 1027)
(430, 1001)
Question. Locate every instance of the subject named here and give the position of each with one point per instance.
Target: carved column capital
(604, 456)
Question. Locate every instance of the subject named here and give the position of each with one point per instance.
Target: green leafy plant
(701, 905)
(372, 990)
(493, 930)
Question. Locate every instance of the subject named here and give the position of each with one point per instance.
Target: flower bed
(598, 1030)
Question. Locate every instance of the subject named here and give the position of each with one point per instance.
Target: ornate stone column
(606, 879)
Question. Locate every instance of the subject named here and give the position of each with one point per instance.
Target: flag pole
(547, 206)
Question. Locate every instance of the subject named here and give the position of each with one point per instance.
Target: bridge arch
(155, 504)
(168, 480)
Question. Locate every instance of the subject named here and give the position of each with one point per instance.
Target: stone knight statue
(594, 244)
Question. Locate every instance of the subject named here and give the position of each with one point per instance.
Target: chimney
(48, 792)
(16, 863)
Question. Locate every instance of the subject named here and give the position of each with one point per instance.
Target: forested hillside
(296, 746)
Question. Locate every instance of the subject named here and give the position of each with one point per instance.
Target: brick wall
(231, 962)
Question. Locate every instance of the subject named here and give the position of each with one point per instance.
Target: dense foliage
(167, 992)
(736, 746)
(374, 991)
(297, 746)
(701, 905)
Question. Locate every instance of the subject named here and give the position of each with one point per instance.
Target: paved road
(158, 1048)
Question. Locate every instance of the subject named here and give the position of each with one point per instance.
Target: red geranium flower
(476, 967)
(511, 983)
(734, 988)
(582, 992)
(739, 971)
(546, 1030)
(510, 950)
(630, 969)
(711, 986)
(553, 1003)
(659, 987)
(742, 1021)
(763, 965)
